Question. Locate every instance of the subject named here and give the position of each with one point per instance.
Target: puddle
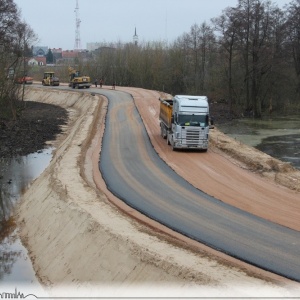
(16, 175)
(278, 137)
(284, 147)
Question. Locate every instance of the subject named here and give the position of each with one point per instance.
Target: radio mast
(77, 31)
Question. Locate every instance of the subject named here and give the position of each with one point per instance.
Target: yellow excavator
(77, 81)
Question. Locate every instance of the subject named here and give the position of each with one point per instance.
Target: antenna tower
(77, 31)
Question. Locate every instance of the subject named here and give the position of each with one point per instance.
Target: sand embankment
(79, 242)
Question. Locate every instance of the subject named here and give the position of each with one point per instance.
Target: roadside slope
(76, 237)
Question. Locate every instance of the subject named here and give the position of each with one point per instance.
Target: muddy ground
(38, 123)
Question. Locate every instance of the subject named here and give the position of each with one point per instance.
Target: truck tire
(165, 132)
(168, 142)
(161, 132)
(172, 145)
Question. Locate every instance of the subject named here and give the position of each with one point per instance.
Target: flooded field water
(277, 136)
(16, 175)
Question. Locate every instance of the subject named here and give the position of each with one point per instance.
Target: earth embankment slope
(75, 236)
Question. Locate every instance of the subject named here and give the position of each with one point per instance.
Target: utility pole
(77, 31)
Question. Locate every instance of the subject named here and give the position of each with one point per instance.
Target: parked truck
(185, 122)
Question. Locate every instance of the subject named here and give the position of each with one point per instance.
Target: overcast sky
(115, 20)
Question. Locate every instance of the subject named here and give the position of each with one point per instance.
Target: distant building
(56, 50)
(69, 54)
(37, 61)
(135, 37)
(40, 51)
(93, 46)
(57, 54)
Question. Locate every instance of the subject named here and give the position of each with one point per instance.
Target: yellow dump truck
(184, 122)
(77, 81)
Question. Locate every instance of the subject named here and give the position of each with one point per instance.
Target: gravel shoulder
(81, 242)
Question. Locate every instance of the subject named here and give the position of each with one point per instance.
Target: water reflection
(16, 175)
(8, 255)
(278, 136)
(286, 148)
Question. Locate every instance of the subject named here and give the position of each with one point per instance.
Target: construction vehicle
(50, 79)
(77, 81)
(185, 122)
(24, 80)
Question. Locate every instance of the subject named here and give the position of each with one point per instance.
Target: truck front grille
(192, 136)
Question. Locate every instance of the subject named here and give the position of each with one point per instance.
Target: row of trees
(15, 40)
(249, 57)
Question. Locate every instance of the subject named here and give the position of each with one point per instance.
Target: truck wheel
(172, 145)
(168, 142)
(161, 131)
(165, 133)
(173, 148)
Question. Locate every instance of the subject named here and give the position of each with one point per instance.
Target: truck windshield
(193, 120)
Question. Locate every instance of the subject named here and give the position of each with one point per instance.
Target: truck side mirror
(211, 125)
(207, 119)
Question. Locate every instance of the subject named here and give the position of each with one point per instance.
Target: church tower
(135, 37)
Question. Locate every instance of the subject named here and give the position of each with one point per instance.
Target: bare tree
(250, 34)
(293, 38)
(15, 39)
(9, 19)
(228, 24)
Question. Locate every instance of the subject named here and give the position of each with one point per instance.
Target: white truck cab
(190, 122)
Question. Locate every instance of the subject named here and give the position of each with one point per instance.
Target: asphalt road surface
(134, 172)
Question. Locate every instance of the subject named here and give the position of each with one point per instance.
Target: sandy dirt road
(77, 237)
